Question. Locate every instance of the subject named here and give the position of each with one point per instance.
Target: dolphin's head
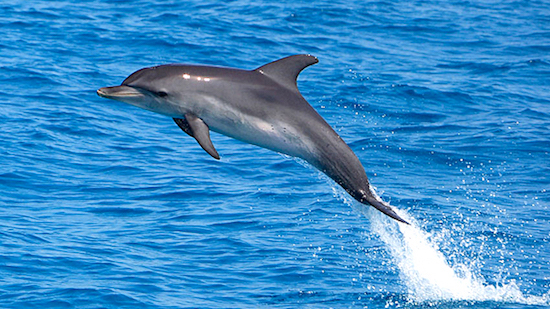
(155, 89)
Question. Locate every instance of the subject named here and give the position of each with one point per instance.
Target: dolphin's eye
(162, 94)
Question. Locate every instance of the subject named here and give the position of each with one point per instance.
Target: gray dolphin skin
(262, 107)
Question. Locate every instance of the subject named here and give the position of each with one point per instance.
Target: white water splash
(426, 272)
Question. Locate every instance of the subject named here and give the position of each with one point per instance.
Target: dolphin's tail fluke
(386, 209)
(375, 201)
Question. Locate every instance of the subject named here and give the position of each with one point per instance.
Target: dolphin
(262, 107)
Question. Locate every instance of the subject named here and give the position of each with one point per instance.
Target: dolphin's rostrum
(262, 107)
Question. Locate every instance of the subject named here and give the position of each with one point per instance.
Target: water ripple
(105, 205)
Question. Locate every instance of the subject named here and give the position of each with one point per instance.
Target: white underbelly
(271, 133)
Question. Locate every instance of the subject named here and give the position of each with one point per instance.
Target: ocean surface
(446, 104)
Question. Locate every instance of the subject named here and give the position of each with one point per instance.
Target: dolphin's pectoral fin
(184, 125)
(195, 127)
(285, 71)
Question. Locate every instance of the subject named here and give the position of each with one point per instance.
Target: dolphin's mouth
(119, 92)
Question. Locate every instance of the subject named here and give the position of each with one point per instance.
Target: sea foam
(426, 272)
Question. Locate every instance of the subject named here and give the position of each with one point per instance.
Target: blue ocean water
(446, 103)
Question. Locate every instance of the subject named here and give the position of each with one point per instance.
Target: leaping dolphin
(262, 107)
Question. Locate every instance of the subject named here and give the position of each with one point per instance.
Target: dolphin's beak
(119, 92)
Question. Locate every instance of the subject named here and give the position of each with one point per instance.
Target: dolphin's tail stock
(370, 198)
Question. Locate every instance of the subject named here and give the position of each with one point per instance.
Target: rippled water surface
(446, 103)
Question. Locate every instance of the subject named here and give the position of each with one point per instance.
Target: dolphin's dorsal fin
(285, 71)
(195, 127)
